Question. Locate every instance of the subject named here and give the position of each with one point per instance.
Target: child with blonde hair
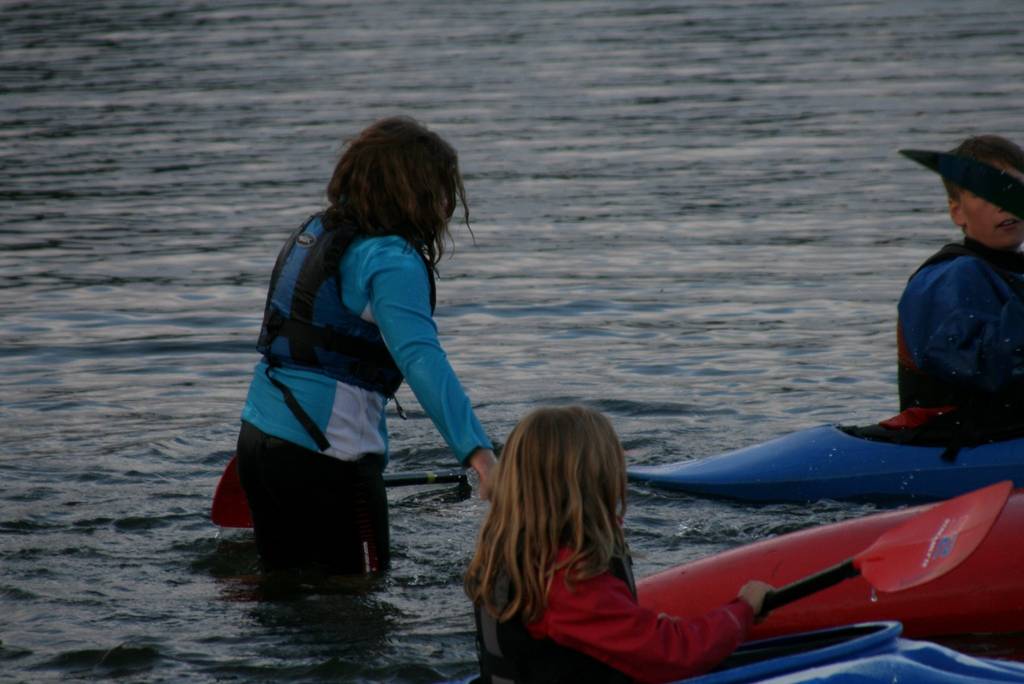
(551, 578)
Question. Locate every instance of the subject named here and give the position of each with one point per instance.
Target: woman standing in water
(349, 315)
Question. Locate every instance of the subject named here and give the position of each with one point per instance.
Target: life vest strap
(326, 338)
(300, 413)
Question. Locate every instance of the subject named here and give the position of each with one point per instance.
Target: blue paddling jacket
(960, 336)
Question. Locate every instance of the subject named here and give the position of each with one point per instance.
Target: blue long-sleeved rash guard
(384, 281)
(962, 323)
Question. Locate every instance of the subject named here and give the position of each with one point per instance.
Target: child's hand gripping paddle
(922, 549)
(231, 508)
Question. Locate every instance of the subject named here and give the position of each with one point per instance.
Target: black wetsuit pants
(311, 510)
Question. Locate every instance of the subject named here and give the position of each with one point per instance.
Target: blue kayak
(828, 463)
(871, 652)
(867, 652)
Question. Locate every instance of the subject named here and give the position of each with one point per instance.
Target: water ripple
(690, 215)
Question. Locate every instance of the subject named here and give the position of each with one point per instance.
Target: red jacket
(601, 618)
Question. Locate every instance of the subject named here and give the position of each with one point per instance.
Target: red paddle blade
(933, 542)
(230, 507)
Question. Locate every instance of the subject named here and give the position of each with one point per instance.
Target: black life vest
(509, 655)
(306, 325)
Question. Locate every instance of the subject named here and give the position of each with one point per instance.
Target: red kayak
(985, 594)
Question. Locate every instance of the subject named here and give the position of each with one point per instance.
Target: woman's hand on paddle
(753, 593)
(483, 461)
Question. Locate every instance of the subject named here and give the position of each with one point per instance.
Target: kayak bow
(827, 463)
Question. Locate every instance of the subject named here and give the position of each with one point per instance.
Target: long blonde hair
(560, 484)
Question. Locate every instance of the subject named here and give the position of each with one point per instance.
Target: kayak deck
(871, 652)
(984, 594)
(827, 463)
(867, 652)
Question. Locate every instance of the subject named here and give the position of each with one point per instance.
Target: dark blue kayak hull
(866, 653)
(871, 652)
(827, 463)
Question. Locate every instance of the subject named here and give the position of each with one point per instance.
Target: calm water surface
(688, 214)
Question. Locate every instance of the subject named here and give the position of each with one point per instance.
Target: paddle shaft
(808, 585)
(425, 478)
(231, 508)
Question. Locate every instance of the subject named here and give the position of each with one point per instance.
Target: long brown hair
(398, 178)
(560, 484)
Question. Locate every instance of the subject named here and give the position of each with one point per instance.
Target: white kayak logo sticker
(941, 544)
(306, 240)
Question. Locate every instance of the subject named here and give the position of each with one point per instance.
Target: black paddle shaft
(426, 478)
(808, 585)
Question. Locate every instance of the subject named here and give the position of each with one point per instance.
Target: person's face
(985, 222)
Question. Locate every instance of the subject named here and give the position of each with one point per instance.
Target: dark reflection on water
(690, 214)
